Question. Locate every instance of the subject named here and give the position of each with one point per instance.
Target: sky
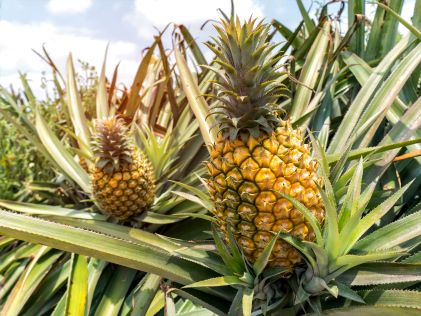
(84, 27)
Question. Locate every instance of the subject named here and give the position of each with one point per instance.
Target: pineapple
(256, 153)
(122, 179)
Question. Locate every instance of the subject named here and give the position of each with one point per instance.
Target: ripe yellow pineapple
(122, 178)
(256, 153)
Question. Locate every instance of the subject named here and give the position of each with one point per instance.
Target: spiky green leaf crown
(248, 79)
(112, 146)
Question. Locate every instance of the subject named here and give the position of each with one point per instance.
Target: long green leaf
(115, 292)
(144, 295)
(405, 129)
(218, 281)
(392, 298)
(351, 234)
(52, 283)
(29, 280)
(50, 210)
(389, 90)
(77, 288)
(263, 259)
(196, 100)
(310, 72)
(410, 27)
(368, 311)
(381, 273)
(357, 41)
(95, 269)
(307, 215)
(247, 301)
(77, 113)
(101, 95)
(350, 204)
(352, 115)
(135, 255)
(349, 261)
(393, 234)
(60, 154)
(363, 152)
(310, 26)
(142, 70)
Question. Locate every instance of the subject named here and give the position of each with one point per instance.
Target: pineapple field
(280, 176)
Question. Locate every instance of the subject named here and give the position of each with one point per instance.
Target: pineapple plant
(362, 260)
(256, 153)
(352, 239)
(122, 179)
(131, 132)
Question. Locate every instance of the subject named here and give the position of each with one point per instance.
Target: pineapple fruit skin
(243, 175)
(127, 191)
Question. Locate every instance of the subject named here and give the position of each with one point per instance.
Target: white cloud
(68, 6)
(161, 12)
(193, 13)
(19, 39)
(149, 16)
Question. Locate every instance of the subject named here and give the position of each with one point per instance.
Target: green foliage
(357, 91)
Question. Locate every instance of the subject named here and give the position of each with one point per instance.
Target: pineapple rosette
(256, 154)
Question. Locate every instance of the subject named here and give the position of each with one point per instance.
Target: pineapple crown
(112, 146)
(247, 84)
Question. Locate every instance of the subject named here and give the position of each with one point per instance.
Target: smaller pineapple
(122, 179)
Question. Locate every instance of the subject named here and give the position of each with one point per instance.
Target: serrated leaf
(392, 234)
(404, 22)
(230, 261)
(61, 156)
(204, 197)
(101, 95)
(50, 210)
(198, 301)
(349, 261)
(247, 301)
(360, 102)
(142, 296)
(348, 293)
(77, 286)
(115, 292)
(386, 94)
(218, 281)
(310, 72)
(194, 199)
(263, 258)
(196, 100)
(368, 311)
(95, 269)
(307, 215)
(159, 219)
(392, 298)
(77, 113)
(29, 280)
(310, 26)
(133, 98)
(352, 234)
(350, 204)
(415, 258)
(137, 255)
(363, 152)
(381, 273)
